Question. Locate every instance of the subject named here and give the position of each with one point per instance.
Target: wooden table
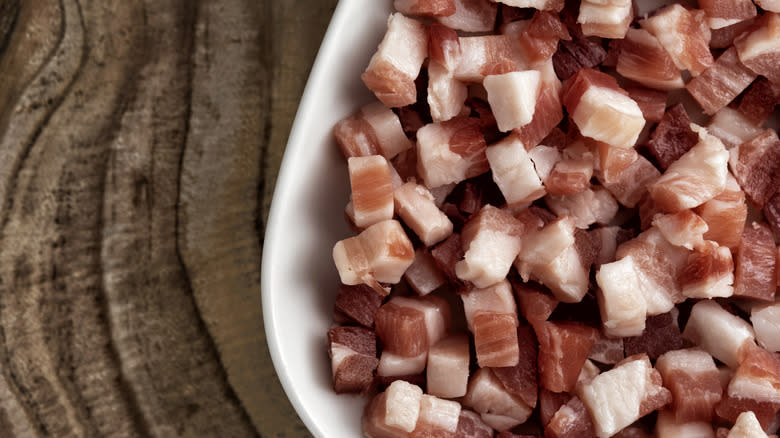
(139, 145)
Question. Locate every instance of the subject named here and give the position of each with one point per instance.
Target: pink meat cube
(444, 46)
(425, 8)
(446, 95)
(353, 358)
(569, 176)
(613, 161)
(724, 37)
(756, 165)
(766, 323)
(536, 305)
(495, 298)
(542, 5)
(630, 185)
(757, 377)
(358, 303)
(539, 39)
(732, 127)
(661, 334)
(563, 349)
(548, 113)
(470, 425)
(760, 49)
(372, 190)
(588, 207)
(717, 331)
(393, 413)
(673, 137)
(402, 329)
(721, 82)
(521, 380)
(451, 151)
(472, 16)
(685, 35)
(574, 55)
(397, 61)
(498, 408)
(495, 339)
(643, 59)
(373, 130)
(438, 418)
(605, 19)
(392, 365)
(758, 101)
(622, 306)
(709, 272)
(725, 215)
(722, 13)
(684, 228)
(651, 102)
(447, 373)
(667, 426)
(484, 56)
(416, 207)
(572, 420)
(514, 172)
(756, 261)
(694, 381)
(423, 275)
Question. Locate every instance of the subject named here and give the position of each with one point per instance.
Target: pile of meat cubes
(565, 216)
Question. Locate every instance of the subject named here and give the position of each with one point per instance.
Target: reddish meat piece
(451, 151)
(446, 255)
(425, 8)
(720, 83)
(685, 35)
(756, 262)
(661, 334)
(547, 115)
(444, 46)
(356, 137)
(725, 215)
(371, 181)
(549, 403)
(472, 16)
(536, 304)
(353, 358)
(643, 59)
(470, 425)
(571, 421)
(495, 339)
(673, 136)
(756, 165)
(722, 13)
(540, 39)
(759, 50)
(730, 408)
(563, 349)
(651, 102)
(572, 56)
(484, 56)
(772, 214)
(521, 379)
(607, 350)
(724, 37)
(758, 101)
(359, 303)
(613, 161)
(401, 329)
(709, 272)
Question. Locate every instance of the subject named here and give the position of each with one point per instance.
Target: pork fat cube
(621, 303)
(756, 166)
(766, 323)
(353, 358)
(760, 49)
(643, 59)
(491, 240)
(542, 5)
(372, 190)
(732, 127)
(396, 409)
(756, 261)
(484, 56)
(544, 159)
(605, 19)
(747, 426)
(381, 253)
(395, 365)
(725, 215)
(758, 376)
(487, 396)
(721, 82)
(684, 228)
(548, 113)
(769, 5)
(684, 34)
(521, 380)
(423, 275)
(446, 95)
(601, 109)
(587, 208)
(668, 427)
(698, 176)
(512, 97)
(451, 151)
(620, 396)
(563, 349)
(569, 176)
(436, 311)
(437, 417)
(415, 205)
(572, 420)
(472, 16)
(514, 172)
(717, 331)
(709, 272)
(496, 298)
(448, 367)
(397, 62)
(495, 339)
(694, 381)
(375, 129)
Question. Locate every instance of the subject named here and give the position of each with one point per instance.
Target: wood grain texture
(139, 144)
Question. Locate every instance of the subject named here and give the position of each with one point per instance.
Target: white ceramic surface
(299, 281)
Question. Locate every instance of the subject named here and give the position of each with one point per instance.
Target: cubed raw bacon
(470, 425)
(620, 396)
(444, 46)
(381, 253)
(402, 329)
(447, 372)
(633, 432)
(472, 16)
(588, 371)
(721, 82)
(630, 185)
(423, 275)
(563, 349)
(542, 5)
(569, 176)
(766, 323)
(757, 377)
(397, 62)
(588, 207)
(612, 161)
(760, 49)
(544, 159)
(758, 101)
(495, 339)
(539, 40)
(724, 37)
(621, 302)
(685, 35)
(722, 13)
(747, 426)
(495, 298)
(732, 127)
(709, 272)
(372, 190)
(374, 129)
(513, 171)
(536, 305)
(601, 109)
(548, 113)
(425, 8)
(643, 59)
(651, 102)
(772, 215)
(607, 19)
(521, 380)
(698, 176)
(358, 303)
(661, 334)
(717, 331)
(353, 358)
(491, 240)
(725, 215)
(756, 165)
(393, 413)
(497, 406)
(657, 264)
(549, 403)
(416, 207)
(512, 97)
(667, 426)
(572, 420)
(684, 228)
(574, 55)
(437, 417)
(451, 151)
(404, 167)
(447, 254)
(395, 365)
(729, 409)
(446, 95)
(356, 137)
(607, 350)
(756, 262)
(483, 56)
(673, 137)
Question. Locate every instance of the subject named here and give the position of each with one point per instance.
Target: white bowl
(299, 280)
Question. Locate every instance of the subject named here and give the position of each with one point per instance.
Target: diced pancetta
(769, 5)
(722, 13)
(591, 206)
(620, 396)
(446, 95)
(444, 46)
(542, 5)
(709, 272)
(437, 417)
(423, 275)
(684, 34)
(717, 331)
(495, 339)
(607, 19)
(521, 380)
(397, 62)
(548, 113)
(607, 350)
(724, 37)
(470, 425)
(374, 129)
(721, 82)
(673, 137)
(756, 165)
(451, 151)
(372, 190)
(757, 377)
(621, 303)
(402, 329)
(544, 159)
(725, 215)
(447, 372)
(601, 109)
(358, 303)
(482, 56)
(651, 102)
(496, 298)
(487, 396)
(698, 176)
(514, 172)
(572, 420)
(759, 50)
(569, 176)
(574, 55)
(396, 365)
(732, 127)
(535, 305)
(756, 264)
(643, 59)
(472, 16)
(415, 205)
(694, 381)
(512, 97)
(758, 101)
(766, 323)
(425, 8)
(563, 349)
(684, 228)
(630, 185)
(667, 426)
(393, 413)
(747, 426)
(491, 240)
(353, 358)
(661, 334)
